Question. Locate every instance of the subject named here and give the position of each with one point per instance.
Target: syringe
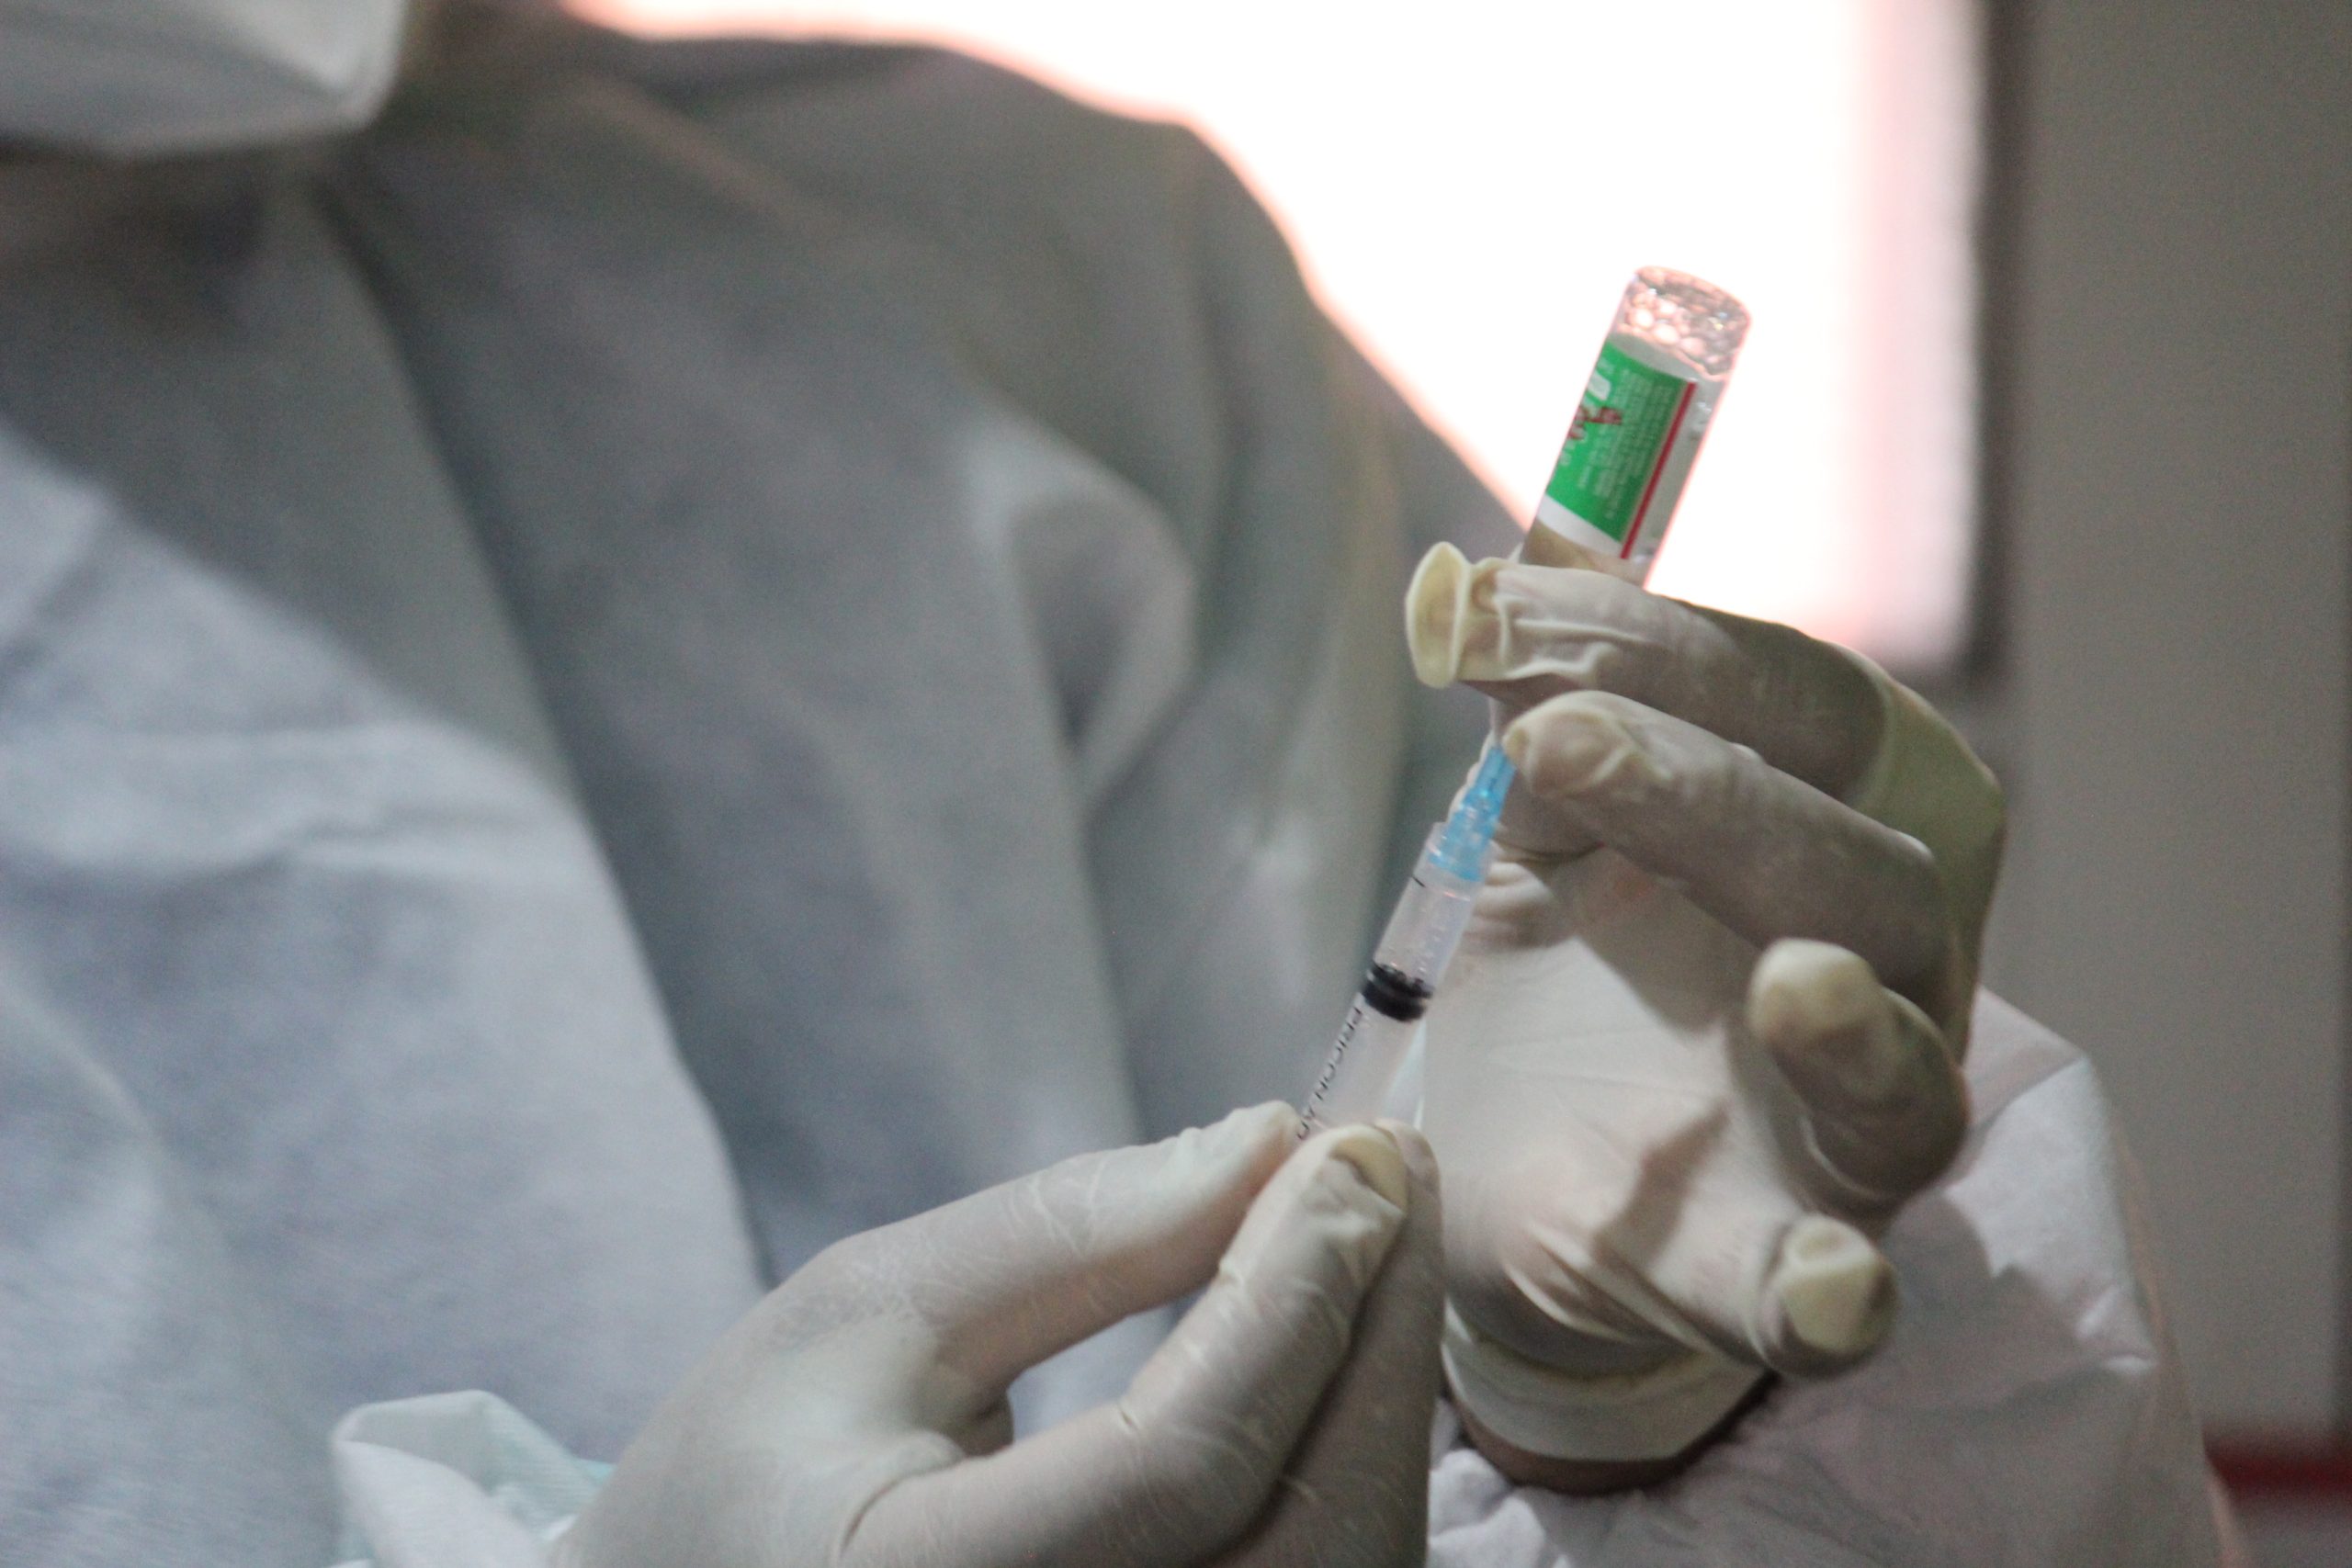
(1629, 449)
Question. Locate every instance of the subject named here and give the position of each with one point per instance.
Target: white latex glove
(1703, 1037)
(857, 1416)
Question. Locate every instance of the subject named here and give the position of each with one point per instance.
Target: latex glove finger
(1765, 854)
(1020, 1272)
(1189, 1457)
(1886, 1106)
(1820, 1297)
(1523, 633)
(887, 1357)
(1827, 1301)
(1357, 1492)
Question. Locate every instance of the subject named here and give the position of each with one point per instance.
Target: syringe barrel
(1645, 408)
(1377, 1034)
(1429, 920)
(1374, 1039)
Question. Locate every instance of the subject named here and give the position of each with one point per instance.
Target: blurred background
(2048, 407)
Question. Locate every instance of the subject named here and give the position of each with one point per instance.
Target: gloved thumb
(1190, 1458)
(1020, 1272)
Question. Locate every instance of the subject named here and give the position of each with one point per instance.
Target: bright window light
(1469, 190)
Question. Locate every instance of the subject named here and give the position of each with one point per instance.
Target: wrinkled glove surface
(857, 1416)
(1704, 1036)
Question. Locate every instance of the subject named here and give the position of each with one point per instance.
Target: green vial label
(1618, 437)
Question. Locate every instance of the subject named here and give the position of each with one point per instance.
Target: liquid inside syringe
(1411, 956)
(1647, 405)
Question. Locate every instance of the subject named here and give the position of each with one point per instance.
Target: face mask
(150, 76)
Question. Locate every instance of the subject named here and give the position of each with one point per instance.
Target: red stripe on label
(1682, 407)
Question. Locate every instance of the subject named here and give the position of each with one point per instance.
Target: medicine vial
(1645, 408)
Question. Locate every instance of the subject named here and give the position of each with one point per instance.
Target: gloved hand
(857, 1416)
(1703, 1037)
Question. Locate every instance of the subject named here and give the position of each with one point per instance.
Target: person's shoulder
(527, 46)
(951, 104)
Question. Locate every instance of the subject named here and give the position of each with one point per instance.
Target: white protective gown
(685, 650)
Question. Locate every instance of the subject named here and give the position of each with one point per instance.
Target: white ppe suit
(681, 651)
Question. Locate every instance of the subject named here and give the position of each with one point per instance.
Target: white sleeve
(453, 1479)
